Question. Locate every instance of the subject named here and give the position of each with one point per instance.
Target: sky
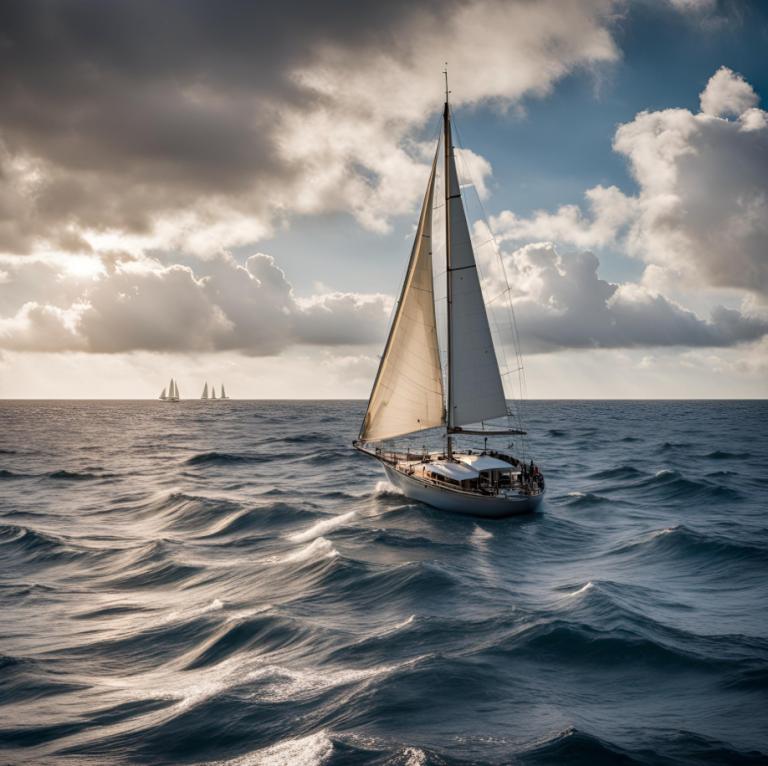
(228, 191)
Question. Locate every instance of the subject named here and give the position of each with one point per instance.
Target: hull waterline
(466, 503)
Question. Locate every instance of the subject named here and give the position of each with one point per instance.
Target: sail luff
(407, 394)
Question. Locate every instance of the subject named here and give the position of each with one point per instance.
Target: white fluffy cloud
(701, 212)
(560, 302)
(142, 305)
(727, 93)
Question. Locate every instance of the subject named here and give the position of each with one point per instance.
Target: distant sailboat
(410, 392)
(173, 392)
(205, 391)
(163, 395)
(223, 392)
(213, 392)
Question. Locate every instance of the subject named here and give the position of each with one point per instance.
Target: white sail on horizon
(205, 391)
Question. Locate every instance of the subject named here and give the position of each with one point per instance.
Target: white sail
(223, 394)
(213, 392)
(162, 395)
(176, 390)
(205, 391)
(476, 390)
(407, 395)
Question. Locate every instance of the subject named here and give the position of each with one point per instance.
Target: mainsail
(205, 391)
(407, 395)
(223, 394)
(475, 390)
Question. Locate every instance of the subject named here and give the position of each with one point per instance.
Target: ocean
(231, 583)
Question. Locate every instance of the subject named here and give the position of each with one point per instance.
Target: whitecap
(582, 589)
(385, 488)
(321, 548)
(311, 750)
(321, 527)
(414, 756)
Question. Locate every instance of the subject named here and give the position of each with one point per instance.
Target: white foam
(480, 535)
(312, 750)
(176, 614)
(414, 756)
(664, 472)
(582, 589)
(385, 488)
(397, 626)
(321, 548)
(321, 527)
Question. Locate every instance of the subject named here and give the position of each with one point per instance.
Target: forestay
(407, 395)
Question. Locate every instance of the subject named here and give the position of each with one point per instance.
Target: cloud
(197, 125)
(144, 306)
(560, 302)
(701, 212)
(727, 93)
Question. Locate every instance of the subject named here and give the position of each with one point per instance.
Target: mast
(447, 189)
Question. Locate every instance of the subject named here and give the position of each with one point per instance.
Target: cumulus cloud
(561, 302)
(149, 307)
(198, 125)
(727, 93)
(701, 211)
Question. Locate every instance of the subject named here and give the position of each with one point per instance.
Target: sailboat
(213, 392)
(173, 392)
(205, 391)
(411, 394)
(223, 393)
(163, 395)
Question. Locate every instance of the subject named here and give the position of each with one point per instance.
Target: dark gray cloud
(115, 114)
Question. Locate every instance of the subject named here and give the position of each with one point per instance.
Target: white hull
(457, 501)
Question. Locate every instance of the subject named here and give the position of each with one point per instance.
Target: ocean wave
(311, 750)
(225, 458)
(722, 455)
(75, 475)
(575, 748)
(684, 542)
(585, 499)
(6, 474)
(318, 549)
(322, 526)
(620, 472)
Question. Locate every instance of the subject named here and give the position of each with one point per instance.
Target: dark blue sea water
(231, 583)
